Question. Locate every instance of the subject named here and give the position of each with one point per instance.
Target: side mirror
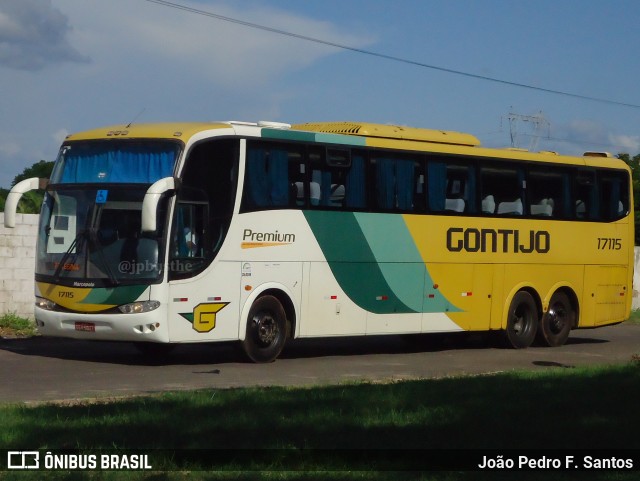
(11, 204)
(150, 202)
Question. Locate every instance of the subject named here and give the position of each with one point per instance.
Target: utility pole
(536, 125)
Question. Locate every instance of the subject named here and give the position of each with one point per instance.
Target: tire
(266, 330)
(522, 321)
(557, 322)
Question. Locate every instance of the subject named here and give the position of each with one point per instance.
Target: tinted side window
(274, 177)
(451, 187)
(614, 194)
(549, 193)
(398, 184)
(502, 190)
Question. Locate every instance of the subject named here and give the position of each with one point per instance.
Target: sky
(73, 65)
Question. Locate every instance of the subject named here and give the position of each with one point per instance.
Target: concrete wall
(17, 264)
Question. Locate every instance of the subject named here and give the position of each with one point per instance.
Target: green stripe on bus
(400, 262)
(353, 263)
(283, 134)
(303, 136)
(376, 262)
(114, 296)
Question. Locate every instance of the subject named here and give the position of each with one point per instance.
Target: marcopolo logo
(251, 239)
(500, 240)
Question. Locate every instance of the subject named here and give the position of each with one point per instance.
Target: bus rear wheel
(266, 330)
(557, 322)
(522, 321)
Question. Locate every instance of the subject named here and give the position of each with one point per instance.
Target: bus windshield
(93, 235)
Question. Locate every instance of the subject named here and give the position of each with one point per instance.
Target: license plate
(85, 326)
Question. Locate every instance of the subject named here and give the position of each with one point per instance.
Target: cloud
(578, 136)
(625, 143)
(183, 43)
(33, 34)
(586, 131)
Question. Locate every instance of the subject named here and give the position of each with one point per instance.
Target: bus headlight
(46, 304)
(138, 307)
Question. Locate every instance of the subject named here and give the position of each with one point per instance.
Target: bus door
(203, 286)
(198, 297)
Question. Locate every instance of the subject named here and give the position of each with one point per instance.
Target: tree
(634, 163)
(31, 201)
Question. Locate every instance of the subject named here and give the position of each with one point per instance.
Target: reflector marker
(180, 299)
(466, 294)
(382, 298)
(216, 298)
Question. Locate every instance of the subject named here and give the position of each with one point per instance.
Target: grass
(284, 433)
(13, 325)
(635, 317)
(339, 432)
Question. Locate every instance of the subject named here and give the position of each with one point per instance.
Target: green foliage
(40, 169)
(3, 198)
(13, 325)
(31, 201)
(634, 163)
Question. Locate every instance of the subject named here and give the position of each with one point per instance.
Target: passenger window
(587, 202)
(399, 184)
(328, 177)
(274, 177)
(452, 187)
(502, 190)
(614, 200)
(549, 193)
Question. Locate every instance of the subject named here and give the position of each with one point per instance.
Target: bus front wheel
(522, 322)
(557, 322)
(266, 330)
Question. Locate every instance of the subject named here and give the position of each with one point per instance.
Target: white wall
(17, 265)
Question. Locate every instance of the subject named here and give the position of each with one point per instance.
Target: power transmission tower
(536, 124)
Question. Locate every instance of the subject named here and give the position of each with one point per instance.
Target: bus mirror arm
(151, 199)
(11, 204)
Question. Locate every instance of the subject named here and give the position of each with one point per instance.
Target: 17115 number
(609, 243)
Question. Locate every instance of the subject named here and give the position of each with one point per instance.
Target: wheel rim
(557, 316)
(520, 323)
(266, 328)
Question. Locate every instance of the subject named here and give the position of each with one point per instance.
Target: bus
(257, 233)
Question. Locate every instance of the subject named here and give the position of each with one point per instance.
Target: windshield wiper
(81, 235)
(91, 236)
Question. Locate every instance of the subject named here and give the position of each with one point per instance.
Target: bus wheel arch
(269, 321)
(287, 305)
(522, 319)
(559, 319)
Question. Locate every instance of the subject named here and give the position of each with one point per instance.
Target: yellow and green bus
(259, 232)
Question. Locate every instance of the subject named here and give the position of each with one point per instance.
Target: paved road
(42, 369)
